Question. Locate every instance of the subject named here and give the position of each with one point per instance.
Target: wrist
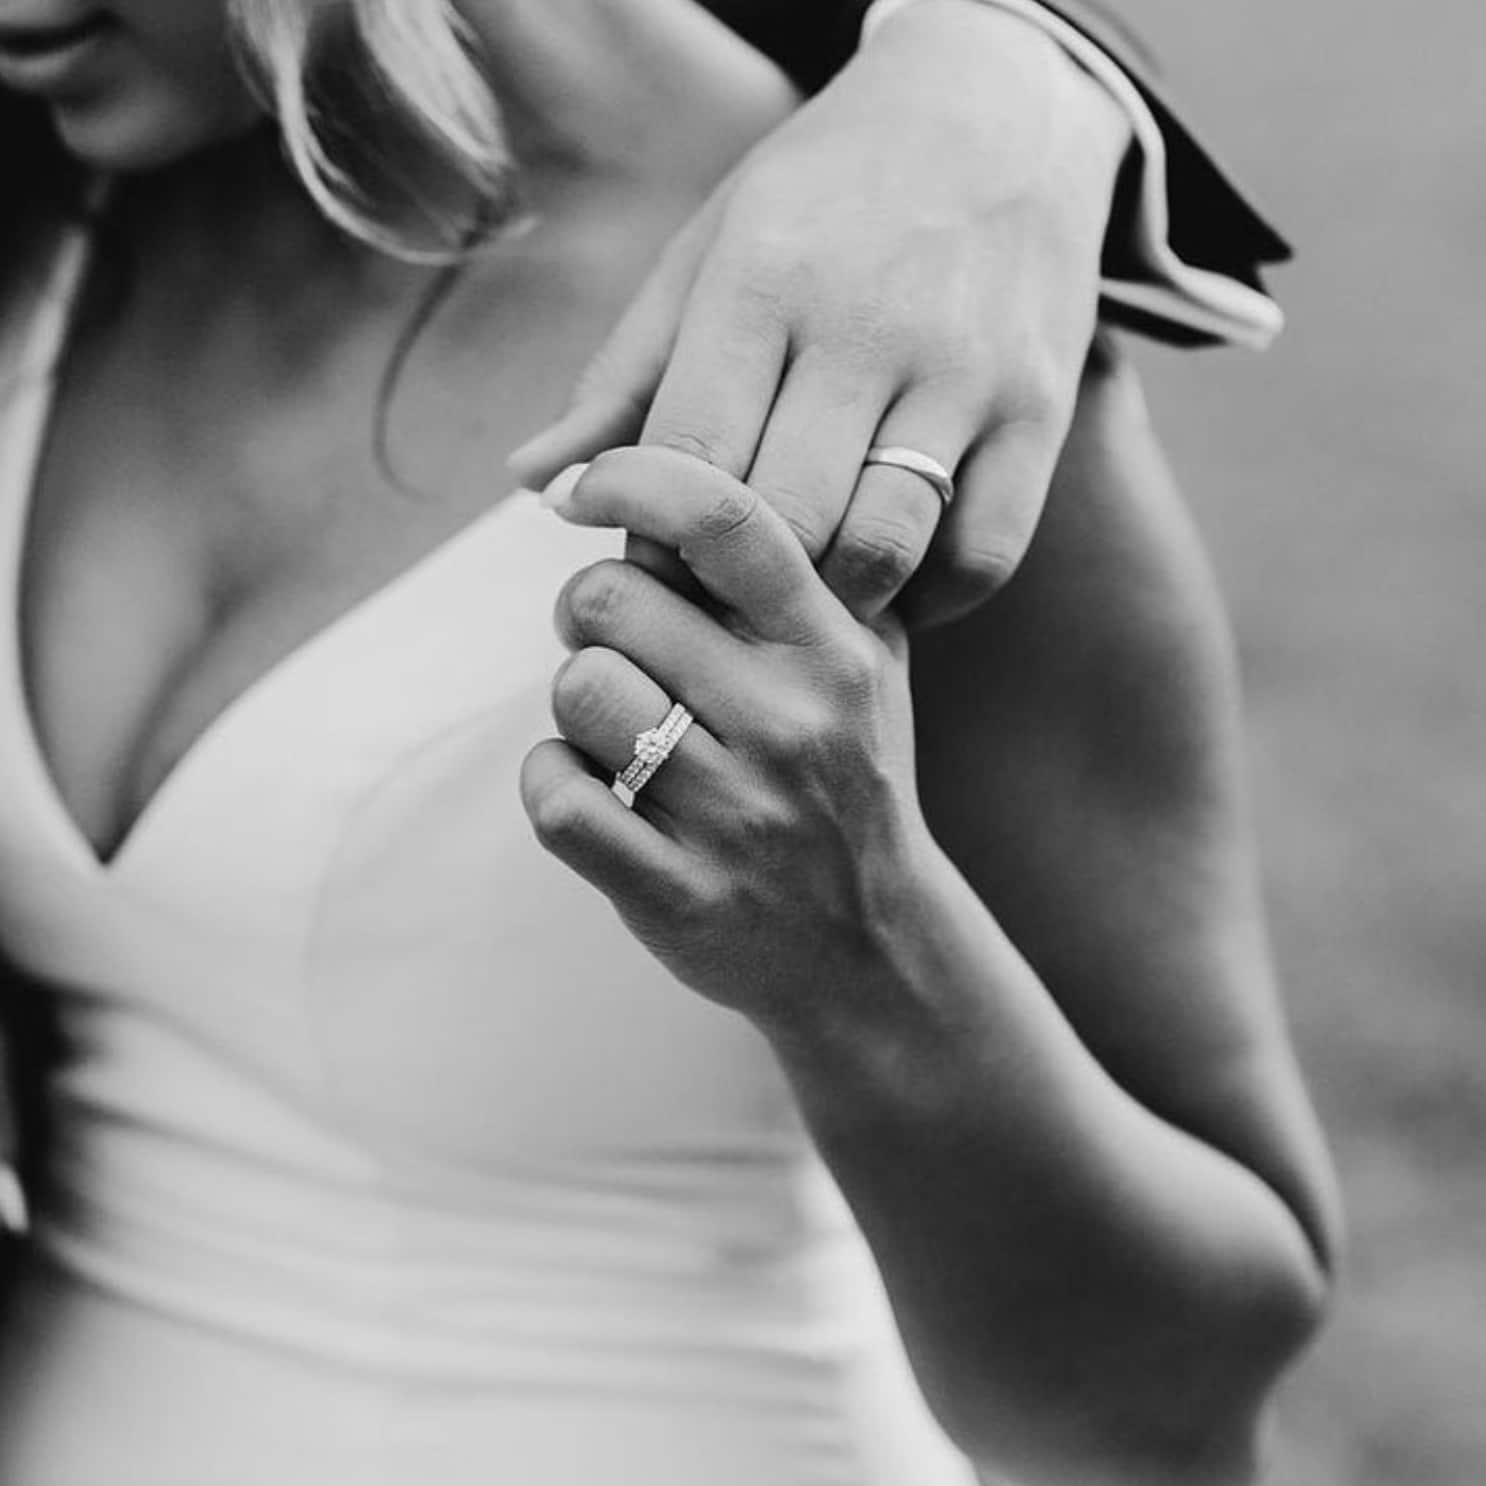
(1009, 60)
(891, 1040)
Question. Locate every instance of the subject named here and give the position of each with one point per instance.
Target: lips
(28, 41)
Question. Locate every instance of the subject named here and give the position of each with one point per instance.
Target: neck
(625, 85)
(233, 223)
(592, 90)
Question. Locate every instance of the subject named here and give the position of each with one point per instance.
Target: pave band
(925, 466)
(652, 748)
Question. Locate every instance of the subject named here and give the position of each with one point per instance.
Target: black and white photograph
(741, 743)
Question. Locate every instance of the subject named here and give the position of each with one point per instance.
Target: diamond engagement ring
(922, 465)
(652, 748)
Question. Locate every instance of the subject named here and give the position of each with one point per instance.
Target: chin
(137, 134)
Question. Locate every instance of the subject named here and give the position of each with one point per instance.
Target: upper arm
(1080, 758)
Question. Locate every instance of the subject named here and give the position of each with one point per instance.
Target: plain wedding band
(917, 463)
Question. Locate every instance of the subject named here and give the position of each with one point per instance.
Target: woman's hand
(778, 842)
(913, 259)
(1091, 1288)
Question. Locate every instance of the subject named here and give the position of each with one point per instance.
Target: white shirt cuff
(1168, 289)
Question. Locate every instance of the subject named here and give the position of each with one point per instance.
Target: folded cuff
(1162, 277)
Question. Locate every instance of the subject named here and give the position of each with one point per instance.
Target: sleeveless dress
(382, 1154)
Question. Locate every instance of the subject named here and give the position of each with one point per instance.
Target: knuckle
(773, 273)
(592, 600)
(960, 580)
(973, 573)
(859, 662)
(763, 833)
(731, 509)
(706, 903)
(875, 559)
(559, 811)
(868, 338)
(582, 689)
(803, 508)
(948, 350)
(799, 734)
(1038, 396)
(953, 370)
(858, 686)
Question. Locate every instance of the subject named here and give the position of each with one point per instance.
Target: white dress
(383, 1154)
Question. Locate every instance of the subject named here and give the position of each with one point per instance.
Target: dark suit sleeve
(1213, 225)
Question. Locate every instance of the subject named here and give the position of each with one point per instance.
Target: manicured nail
(13, 1216)
(557, 495)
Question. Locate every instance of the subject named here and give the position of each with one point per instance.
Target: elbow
(1291, 1297)
(1209, 1419)
(1215, 1424)
(1191, 1406)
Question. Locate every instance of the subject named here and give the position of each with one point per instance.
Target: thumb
(616, 389)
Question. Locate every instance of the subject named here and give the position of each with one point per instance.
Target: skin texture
(984, 938)
(167, 85)
(890, 267)
(1001, 928)
(912, 260)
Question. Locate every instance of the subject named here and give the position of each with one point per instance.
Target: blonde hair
(386, 116)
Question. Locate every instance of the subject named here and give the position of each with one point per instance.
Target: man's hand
(913, 260)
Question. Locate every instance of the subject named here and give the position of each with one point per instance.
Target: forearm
(1100, 1264)
(1089, 1294)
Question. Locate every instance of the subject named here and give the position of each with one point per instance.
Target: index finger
(724, 371)
(742, 552)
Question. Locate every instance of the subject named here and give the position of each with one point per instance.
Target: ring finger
(602, 702)
(894, 512)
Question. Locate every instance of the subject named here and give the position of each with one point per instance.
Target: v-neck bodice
(21, 455)
(350, 1071)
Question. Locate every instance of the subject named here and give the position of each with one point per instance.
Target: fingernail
(559, 493)
(13, 1216)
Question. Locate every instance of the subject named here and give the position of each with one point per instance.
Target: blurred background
(1340, 482)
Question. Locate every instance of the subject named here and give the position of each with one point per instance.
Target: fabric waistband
(547, 1280)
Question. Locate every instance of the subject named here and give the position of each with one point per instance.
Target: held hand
(912, 260)
(781, 834)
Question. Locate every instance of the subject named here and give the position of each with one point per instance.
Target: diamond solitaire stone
(652, 748)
